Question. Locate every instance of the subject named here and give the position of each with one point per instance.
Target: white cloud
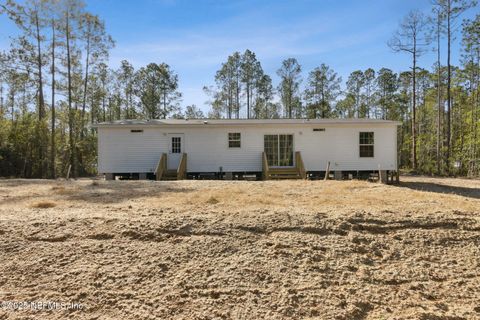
(197, 54)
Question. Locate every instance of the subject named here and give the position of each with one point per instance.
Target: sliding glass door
(279, 149)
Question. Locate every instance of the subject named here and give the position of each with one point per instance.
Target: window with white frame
(366, 145)
(234, 140)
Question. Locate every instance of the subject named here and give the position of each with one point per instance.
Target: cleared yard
(242, 250)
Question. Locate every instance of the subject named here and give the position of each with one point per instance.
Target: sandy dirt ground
(240, 250)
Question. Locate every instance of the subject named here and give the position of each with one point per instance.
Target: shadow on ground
(440, 188)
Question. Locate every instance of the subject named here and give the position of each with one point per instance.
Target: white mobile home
(231, 148)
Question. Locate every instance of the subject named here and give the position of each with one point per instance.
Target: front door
(175, 150)
(279, 149)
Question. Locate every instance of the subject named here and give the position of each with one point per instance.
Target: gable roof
(238, 122)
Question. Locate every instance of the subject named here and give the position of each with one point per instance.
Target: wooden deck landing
(296, 172)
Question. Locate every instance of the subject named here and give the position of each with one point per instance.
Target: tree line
(439, 108)
(55, 81)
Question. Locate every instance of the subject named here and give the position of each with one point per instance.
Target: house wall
(119, 150)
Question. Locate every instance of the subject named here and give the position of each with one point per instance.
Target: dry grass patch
(61, 190)
(230, 196)
(212, 200)
(44, 204)
(273, 248)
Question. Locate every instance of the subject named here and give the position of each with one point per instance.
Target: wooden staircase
(170, 175)
(283, 173)
(161, 172)
(297, 172)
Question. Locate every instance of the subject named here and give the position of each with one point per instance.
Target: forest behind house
(55, 82)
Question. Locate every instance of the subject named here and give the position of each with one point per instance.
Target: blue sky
(194, 37)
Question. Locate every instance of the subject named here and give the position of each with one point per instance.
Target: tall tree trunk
(110, 114)
(229, 103)
(52, 150)
(12, 104)
(475, 130)
(41, 101)
(289, 100)
(103, 102)
(164, 105)
(237, 98)
(414, 102)
(42, 148)
(85, 87)
(93, 111)
(323, 103)
(248, 100)
(1, 100)
(439, 97)
(449, 83)
(71, 120)
(127, 112)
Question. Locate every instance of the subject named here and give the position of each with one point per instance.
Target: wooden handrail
(161, 166)
(265, 168)
(182, 167)
(300, 166)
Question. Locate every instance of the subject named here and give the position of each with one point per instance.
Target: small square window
(366, 145)
(234, 140)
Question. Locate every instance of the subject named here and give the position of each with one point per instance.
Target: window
(176, 144)
(319, 129)
(366, 144)
(279, 149)
(136, 131)
(234, 140)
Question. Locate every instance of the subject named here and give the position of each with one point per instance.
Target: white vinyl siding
(120, 151)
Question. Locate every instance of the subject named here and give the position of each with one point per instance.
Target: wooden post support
(109, 176)
(142, 176)
(327, 172)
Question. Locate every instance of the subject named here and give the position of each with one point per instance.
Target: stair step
(283, 172)
(295, 175)
(284, 177)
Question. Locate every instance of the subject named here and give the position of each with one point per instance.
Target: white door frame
(176, 147)
(278, 147)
